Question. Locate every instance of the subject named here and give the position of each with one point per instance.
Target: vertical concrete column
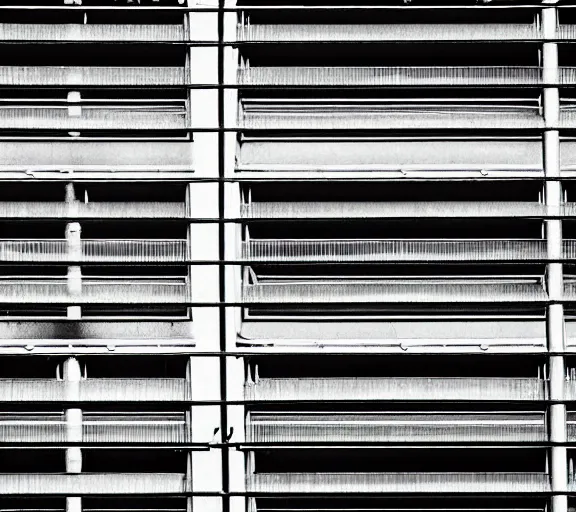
(239, 461)
(203, 203)
(73, 242)
(203, 97)
(202, 197)
(554, 271)
(74, 99)
(235, 372)
(232, 119)
(72, 376)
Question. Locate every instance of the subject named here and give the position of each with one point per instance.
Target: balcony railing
(566, 32)
(347, 115)
(380, 290)
(95, 390)
(396, 76)
(569, 289)
(33, 432)
(134, 433)
(571, 430)
(398, 250)
(95, 291)
(93, 483)
(394, 32)
(570, 390)
(271, 250)
(402, 209)
(38, 76)
(394, 427)
(397, 388)
(398, 482)
(344, 250)
(94, 251)
(93, 118)
(92, 432)
(46, 32)
(297, 76)
(104, 210)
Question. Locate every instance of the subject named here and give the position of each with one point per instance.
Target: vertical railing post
(554, 270)
(74, 246)
(72, 376)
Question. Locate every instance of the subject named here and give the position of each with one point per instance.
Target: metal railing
(393, 32)
(33, 432)
(396, 388)
(398, 250)
(95, 390)
(95, 251)
(106, 210)
(92, 118)
(92, 432)
(397, 482)
(381, 116)
(95, 291)
(402, 427)
(395, 76)
(379, 291)
(24, 76)
(134, 433)
(44, 32)
(93, 483)
(400, 209)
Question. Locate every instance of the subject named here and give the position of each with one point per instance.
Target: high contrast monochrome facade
(259, 256)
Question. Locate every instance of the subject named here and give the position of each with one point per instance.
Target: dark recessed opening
(396, 366)
(400, 460)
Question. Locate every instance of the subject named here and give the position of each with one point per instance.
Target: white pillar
(74, 504)
(74, 100)
(73, 242)
(202, 200)
(554, 271)
(72, 376)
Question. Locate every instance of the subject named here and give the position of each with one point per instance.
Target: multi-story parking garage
(272, 257)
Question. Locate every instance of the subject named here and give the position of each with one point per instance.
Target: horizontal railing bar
(152, 176)
(384, 445)
(121, 445)
(274, 8)
(278, 263)
(257, 87)
(283, 251)
(233, 353)
(259, 42)
(246, 220)
(398, 445)
(536, 128)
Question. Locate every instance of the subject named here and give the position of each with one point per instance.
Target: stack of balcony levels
(286, 256)
(406, 202)
(98, 199)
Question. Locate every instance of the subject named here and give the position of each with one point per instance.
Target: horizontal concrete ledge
(95, 154)
(96, 333)
(500, 332)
